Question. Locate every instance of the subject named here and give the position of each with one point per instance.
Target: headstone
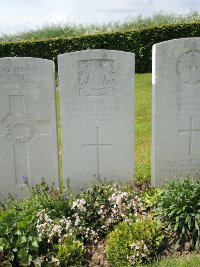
(28, 133)
(96, 90)
(176, 110)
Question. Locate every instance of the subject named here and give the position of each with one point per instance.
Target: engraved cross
(190, 132)
(98, 145)
(19, 130)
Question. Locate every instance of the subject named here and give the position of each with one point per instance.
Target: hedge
(137, 41)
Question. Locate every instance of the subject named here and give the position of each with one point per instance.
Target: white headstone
(176, 110)
(96, 90)
(28, 133)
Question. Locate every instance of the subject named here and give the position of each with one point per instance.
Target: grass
(74, 30)
(143, 127)
(59, 136)
(190, 260)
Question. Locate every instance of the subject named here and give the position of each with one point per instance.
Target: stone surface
(96, 90)
(176, 110)
(28, 133)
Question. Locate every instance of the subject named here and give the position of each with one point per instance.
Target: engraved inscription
(108, 111)
(188, 67)
(18, 78)
(181, 167)
(18, 128)
(96, 77)
(182, 100)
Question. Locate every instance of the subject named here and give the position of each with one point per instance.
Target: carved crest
(96, 77)
(188, 67)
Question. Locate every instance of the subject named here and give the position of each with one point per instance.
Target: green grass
(143, 127)
(190, 260)
(59, 135)
(74, 30)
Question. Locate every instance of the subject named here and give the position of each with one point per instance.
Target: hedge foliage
(137, 41)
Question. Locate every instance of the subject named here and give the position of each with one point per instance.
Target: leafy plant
(20, 242)
(71, 252)
(18, 238)
(133, 243)
(150, 197)
(179, 208)
(101, 207)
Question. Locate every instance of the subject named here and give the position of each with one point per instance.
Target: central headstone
(176, 110)
(28, 132)
(96, 89)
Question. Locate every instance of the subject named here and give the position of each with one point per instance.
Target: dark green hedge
(138, 41)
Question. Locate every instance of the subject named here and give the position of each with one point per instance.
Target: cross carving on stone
(190, 132)
(98, 146)
(20, 129)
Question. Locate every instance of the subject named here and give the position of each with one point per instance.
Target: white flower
(79, 203)
(55, 260)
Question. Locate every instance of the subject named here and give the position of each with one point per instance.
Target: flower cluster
(106, 208)
(79, 204)
(123, 205)
(139, 253)
(53, 230)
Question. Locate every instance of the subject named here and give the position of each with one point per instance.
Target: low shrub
(179, 207)
(71, 253)
(19, 241)
(133, 243)
(101, 207)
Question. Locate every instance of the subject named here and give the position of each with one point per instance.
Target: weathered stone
(96, 90)
(176, 110)
(28, 134)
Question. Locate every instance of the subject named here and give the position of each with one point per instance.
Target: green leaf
(196, 225)
(25, 258)
(3, 229)
(34, 243)
(21, 239)
(18, 232)
(37, 262)
(10, 256)
(6, 264)
(3, 244)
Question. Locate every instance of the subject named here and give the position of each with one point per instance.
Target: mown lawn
(143, 127)
(190, 260)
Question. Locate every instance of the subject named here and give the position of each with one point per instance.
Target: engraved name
(20, 78)
(182, 100)
(181, 168)
(95, 112)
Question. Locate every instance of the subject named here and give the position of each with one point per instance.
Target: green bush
(19, 241)
(101, 207)
(137, 41)
(133, 243)
(71, 253)
(179, 208)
